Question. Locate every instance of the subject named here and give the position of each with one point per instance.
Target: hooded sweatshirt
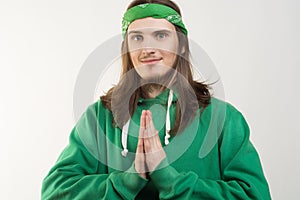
(211, 159)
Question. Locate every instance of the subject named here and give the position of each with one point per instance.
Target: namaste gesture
(149, 152)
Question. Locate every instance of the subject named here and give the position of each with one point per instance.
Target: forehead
(151, 23)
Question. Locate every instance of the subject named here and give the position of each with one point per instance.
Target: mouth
(150, 61)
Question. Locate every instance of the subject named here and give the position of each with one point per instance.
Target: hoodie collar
(162, 98)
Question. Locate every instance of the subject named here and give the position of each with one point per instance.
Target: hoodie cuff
(164, 176)
(133, 182)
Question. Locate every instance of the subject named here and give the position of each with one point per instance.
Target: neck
(152, 90)
(154, 93)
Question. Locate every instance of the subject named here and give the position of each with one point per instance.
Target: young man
(145, 138)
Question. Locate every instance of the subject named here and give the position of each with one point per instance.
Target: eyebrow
(131, 32)
(157, 31)
(162, 30)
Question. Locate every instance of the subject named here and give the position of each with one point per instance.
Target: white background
(43, 44)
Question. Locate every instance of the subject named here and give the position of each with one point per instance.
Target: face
(153, 46)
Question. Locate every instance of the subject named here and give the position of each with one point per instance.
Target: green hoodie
(211, 159)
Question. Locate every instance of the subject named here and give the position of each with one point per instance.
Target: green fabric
(91, 166)
(157, 11)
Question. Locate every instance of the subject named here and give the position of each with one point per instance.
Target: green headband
(157, 11)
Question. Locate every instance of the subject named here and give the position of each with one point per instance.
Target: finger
(142, 124)
(147, 119)
(140, 146)
(143, 118)
(147, 142)
(149, 130)
(151, 124)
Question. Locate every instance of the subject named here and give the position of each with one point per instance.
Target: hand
(149, 152)
(139, 162)
(152, 146)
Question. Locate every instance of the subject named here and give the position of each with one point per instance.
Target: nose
(148, 45)
(148, 50)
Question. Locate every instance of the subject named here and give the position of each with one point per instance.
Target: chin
(152, 75)
(159, 78)
(149, 78)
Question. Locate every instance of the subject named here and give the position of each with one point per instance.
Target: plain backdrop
(43, 44)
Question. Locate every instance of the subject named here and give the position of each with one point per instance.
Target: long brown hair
(186, 106)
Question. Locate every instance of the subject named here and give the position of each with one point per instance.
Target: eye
(161, 35)
(137, 37)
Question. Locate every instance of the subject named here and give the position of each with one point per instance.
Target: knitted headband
(157, 11)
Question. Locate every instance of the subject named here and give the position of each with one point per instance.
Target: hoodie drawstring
(124, 138)
(168, 127)
(168, 122)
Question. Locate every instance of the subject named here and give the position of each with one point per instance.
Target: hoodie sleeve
(241, 172)
(76, 172)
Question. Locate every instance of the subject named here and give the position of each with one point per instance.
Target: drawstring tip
(167, 138)
(166, 141)
(124, 152)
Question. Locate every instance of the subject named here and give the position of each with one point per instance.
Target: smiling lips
(150, 61)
